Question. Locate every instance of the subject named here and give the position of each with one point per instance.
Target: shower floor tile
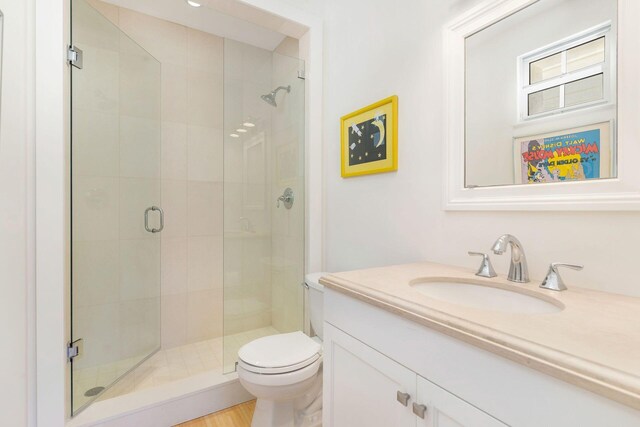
(167, 365)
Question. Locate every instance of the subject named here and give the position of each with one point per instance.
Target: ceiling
(226, 18)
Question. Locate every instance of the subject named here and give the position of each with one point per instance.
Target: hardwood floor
(236, 416)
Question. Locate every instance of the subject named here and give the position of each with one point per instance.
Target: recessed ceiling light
(234, 135)
(248, 124)
(193, 3)
(241, 130)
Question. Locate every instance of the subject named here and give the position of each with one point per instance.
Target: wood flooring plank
(236, 416)
(198, 422)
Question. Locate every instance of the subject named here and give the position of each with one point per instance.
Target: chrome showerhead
(270, 98)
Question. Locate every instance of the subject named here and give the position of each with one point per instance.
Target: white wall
(373, 51)
(16, 145)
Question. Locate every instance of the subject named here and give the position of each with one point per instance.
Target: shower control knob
(287, 198)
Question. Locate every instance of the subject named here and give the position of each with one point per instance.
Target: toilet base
(269, 413)
(302, 411)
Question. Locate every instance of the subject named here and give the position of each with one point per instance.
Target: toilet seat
(285, 379)
(279, 354)
(279, 370)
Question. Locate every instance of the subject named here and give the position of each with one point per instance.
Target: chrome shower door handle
(161, 219)
(146, 219)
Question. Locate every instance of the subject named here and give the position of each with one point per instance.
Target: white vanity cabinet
(443, 409)
(366, 385)
(369, 389)
(372, 353)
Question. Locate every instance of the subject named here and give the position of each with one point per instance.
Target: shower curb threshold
(167, 404)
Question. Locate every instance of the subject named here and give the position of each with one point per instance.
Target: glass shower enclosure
(117, 306)
(115, 179)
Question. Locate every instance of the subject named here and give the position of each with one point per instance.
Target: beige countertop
(594, 342)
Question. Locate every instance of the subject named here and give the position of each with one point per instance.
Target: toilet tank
(316, 303)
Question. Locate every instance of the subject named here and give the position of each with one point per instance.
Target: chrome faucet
(518, 271)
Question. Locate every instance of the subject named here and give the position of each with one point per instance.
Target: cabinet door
(361, 385)
(444, 409)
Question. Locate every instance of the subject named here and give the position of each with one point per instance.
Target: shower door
(115, 204)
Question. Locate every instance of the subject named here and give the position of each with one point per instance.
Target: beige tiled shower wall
(192, 174)
(287, 156)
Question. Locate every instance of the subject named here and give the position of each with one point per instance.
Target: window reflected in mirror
(545, 68)
(585, 55)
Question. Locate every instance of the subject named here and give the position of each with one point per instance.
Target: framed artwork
(577, 154)
(369, 139)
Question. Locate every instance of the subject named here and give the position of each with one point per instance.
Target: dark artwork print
(367, 141)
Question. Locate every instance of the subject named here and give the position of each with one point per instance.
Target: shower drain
(93, 391)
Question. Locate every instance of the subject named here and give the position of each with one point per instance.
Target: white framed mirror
(540, 106)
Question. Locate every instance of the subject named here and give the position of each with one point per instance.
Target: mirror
(540, 95)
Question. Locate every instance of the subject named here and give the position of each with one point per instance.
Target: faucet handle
(554, 281)
(486, 269)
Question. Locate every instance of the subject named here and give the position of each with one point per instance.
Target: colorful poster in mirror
(369, 139)
(577, 154)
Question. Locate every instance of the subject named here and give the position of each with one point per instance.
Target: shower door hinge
(74, 349)
(301, 74)
(74, 56)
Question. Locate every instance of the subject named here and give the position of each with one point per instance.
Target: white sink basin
(484, 297)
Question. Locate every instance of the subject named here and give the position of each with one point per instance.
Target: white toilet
(284, 371)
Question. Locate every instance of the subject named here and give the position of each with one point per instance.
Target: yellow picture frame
(369, 139)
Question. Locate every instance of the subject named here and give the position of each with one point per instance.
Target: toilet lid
(282, 350)
(282, 370)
